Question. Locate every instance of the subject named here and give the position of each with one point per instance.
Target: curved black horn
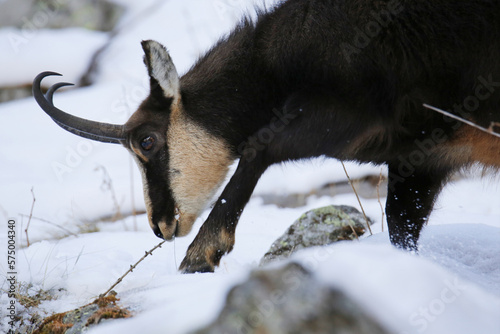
(104, 132)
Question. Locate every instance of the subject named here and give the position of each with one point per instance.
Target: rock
(79, 320)
(290, 300)
(79, 317)
(14, 93)
(31, 15)
(317, 227)
(370, 186)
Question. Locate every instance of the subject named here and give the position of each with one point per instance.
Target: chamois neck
(227, 91)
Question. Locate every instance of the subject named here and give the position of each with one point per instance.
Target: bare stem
(359, 201)
(354, 232)
(463, 120)
(132, 191)
(29, 218)
(132, 267)
(53, 224)
(131, 169)
(378, 197)
(107, 184)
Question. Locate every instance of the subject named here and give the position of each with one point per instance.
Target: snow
(420, 296)
(29, 52)
(453, 286)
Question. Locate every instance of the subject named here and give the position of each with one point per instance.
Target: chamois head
(181, 164)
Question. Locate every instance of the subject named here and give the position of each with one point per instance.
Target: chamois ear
(163, 75)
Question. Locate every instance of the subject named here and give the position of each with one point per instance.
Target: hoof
(190, 268)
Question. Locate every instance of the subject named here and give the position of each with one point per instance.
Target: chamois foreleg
(288, 136)
(216, 236)
(272, 144)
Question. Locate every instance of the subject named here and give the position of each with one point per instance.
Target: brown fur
(472, 145)
(216, 242)
(485, 148)
(371, 137)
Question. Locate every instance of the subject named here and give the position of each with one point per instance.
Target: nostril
(157, 232)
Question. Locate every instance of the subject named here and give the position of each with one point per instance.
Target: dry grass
(30, 299)
(359, 201)
(53, 325)
(380, 180)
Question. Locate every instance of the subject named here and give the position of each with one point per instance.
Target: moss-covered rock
(78, 320)
(32, 15)
(318, 227)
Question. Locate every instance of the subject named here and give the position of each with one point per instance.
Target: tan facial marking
(168, 231)
(199, 163)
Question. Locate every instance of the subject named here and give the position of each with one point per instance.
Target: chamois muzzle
(103, 132)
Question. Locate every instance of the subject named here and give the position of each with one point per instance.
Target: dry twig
(489, 130)
(359, 201)
(107, 185)
(29, 218)
(132, 267)
(354, 232)
(53, 224)
(378, 197)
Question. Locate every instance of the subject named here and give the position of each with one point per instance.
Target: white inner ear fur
(202, 162)
(163, 70)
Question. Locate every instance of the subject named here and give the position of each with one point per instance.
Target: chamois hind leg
(410, 199)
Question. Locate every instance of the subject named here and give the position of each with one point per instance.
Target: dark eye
(147, 143)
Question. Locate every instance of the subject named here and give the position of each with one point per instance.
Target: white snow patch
(28, 53)
(410, 294)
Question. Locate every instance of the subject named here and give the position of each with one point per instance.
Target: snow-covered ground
(452, 287)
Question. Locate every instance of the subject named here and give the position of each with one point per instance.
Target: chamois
(345, 79)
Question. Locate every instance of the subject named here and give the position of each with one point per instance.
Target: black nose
(157, 232)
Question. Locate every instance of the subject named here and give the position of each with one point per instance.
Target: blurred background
(60, 188)
(96, 45)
